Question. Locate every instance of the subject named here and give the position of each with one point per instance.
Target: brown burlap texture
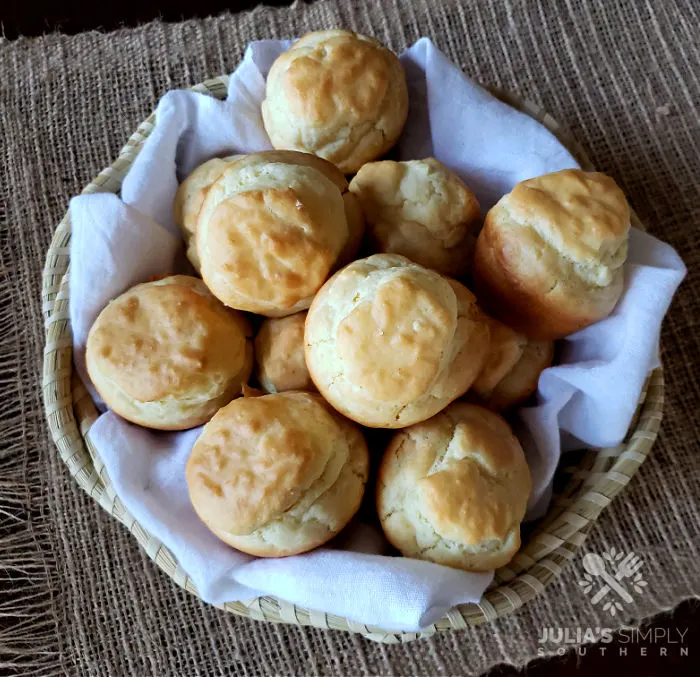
(78, 597)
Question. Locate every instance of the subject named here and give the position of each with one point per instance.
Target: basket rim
(70, 413)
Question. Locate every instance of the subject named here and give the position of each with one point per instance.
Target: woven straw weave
(597, 479)
(79, 596)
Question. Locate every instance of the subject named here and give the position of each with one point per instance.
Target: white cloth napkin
(588, 399)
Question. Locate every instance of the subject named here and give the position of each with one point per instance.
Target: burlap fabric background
(78, 596)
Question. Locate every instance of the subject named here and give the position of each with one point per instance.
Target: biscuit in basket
(167, 354)
(277, 475)
(390, 343)
(337, 94)
(454, 489)
(279, 354)
(419, 209)
(549, 260)
(190, 197)
(512, 368)
(271, 229)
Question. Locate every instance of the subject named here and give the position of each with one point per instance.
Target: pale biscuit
(419, 209)
(454, 489)
(390, 343)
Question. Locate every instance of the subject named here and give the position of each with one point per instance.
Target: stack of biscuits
(355, 292)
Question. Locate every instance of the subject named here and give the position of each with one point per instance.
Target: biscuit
(337, 94)
(355, 217)
(277, 475)
(270, 231)
(549, 259)
(454, 489)
(389, 343)
(419, 209)
(512, 368)
(522, 380)
(505, 349)
(279, 353)
(167, 354)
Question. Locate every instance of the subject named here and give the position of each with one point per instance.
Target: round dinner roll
(454, 489)
(512, 368)
(549, 260)
(389, 343)
(167, 354)
(419, 209)
(337, 94)
(190, 196)
(279, 353)
(277, 475)
(271, 229)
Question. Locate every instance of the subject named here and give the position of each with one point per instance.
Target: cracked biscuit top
(419, 209)
(454, 489)
(337, 94)
(390, 343)
(277, 475)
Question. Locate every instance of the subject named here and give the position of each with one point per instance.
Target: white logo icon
(612, 568)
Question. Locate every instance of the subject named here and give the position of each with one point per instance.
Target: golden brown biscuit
(270, 231)
(419, 209)
(190, 196)
(549, 260)
(512, 368)
(277, 475)
(279, 353)
(167, 354)
(390, 343)
(337, 94)
(454, 489)
(354, 215)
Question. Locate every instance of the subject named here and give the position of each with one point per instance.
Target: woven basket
(585, 489)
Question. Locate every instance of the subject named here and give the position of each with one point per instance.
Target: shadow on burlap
(82, 598)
